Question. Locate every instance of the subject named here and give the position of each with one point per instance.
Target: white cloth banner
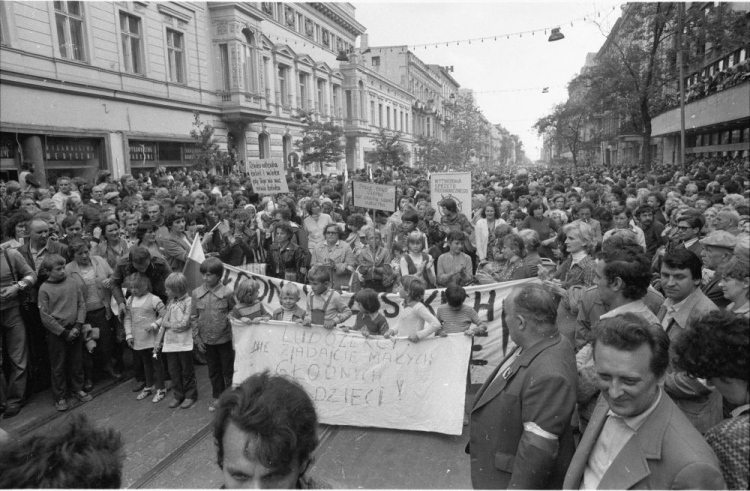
(358, 381)
(487, 300)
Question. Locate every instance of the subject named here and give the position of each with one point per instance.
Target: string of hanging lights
(555, 33)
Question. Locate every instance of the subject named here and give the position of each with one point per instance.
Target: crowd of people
(642, 274)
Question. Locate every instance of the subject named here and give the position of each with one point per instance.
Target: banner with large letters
(358, 381)
(487, 300)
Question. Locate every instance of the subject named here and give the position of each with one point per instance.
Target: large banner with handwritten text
(487, 300)
(358, 381)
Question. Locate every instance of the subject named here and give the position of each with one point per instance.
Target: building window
(303, 92)
(248, 61)
(176, 52)
(388, 117)
(283, 89)
(226, 83)
(336, 102)
(406, 119)
(264, 146)
(401, 120)
(375, 61)
(130, 30)
(321, 103)
(380, 115)
(372, 112)
(69, 20)
(317, 33)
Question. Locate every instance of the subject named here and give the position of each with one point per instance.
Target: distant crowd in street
(630, 359)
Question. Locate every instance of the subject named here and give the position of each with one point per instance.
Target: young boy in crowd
(324, 305)
(63, 311)
(289, 310)
(456, 317)
(209, 320)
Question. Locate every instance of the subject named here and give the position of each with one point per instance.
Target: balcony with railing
(240, 106)
(356, 126)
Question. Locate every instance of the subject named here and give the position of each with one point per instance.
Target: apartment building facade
(86, 86)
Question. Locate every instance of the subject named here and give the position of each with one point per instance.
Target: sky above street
(507, 75)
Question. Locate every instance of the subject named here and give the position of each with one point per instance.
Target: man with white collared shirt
(681, 281)
(637, 438)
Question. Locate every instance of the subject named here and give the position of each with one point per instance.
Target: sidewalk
(40, 409)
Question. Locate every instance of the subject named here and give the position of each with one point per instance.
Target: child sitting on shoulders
(456, 317)
(369, 321)
(416, 313)
(324, 305)
(289, 310)
(249, 308)
(416, 262)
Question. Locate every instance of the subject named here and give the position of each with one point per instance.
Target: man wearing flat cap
(718, 248)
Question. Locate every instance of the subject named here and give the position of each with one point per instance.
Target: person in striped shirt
(456, 317)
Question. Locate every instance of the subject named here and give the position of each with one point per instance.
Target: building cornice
(338, 15)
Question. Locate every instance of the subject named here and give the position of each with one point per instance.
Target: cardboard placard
(454, 185)
(374, 196)
(267, 176)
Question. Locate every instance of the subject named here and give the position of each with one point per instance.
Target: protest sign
(358, 381)
(454, 185)
(487, 300)
(374, 196)
(267, 176)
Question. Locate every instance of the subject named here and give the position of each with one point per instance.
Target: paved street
(174, 448)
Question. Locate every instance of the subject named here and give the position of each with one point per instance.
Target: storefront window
(8, 154)
(73, 157)
(146, 156)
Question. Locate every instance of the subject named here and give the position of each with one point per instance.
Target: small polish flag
(193, 264)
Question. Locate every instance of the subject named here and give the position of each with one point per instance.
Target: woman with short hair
(92, 274)
(337, 255)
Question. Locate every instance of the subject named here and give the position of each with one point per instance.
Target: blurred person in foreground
(265, 432)
(74, 455)
(716, 349)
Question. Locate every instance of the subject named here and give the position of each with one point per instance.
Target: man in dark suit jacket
(521, 436)
(637, 437)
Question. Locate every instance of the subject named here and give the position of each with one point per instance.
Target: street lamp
(556, 35)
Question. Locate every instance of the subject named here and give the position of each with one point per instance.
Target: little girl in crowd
(416, 314)
(369, 321)
(141, 329)
(324, 306)
(249, 308)
(175, 340)
(289, 310)
(416, 262)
